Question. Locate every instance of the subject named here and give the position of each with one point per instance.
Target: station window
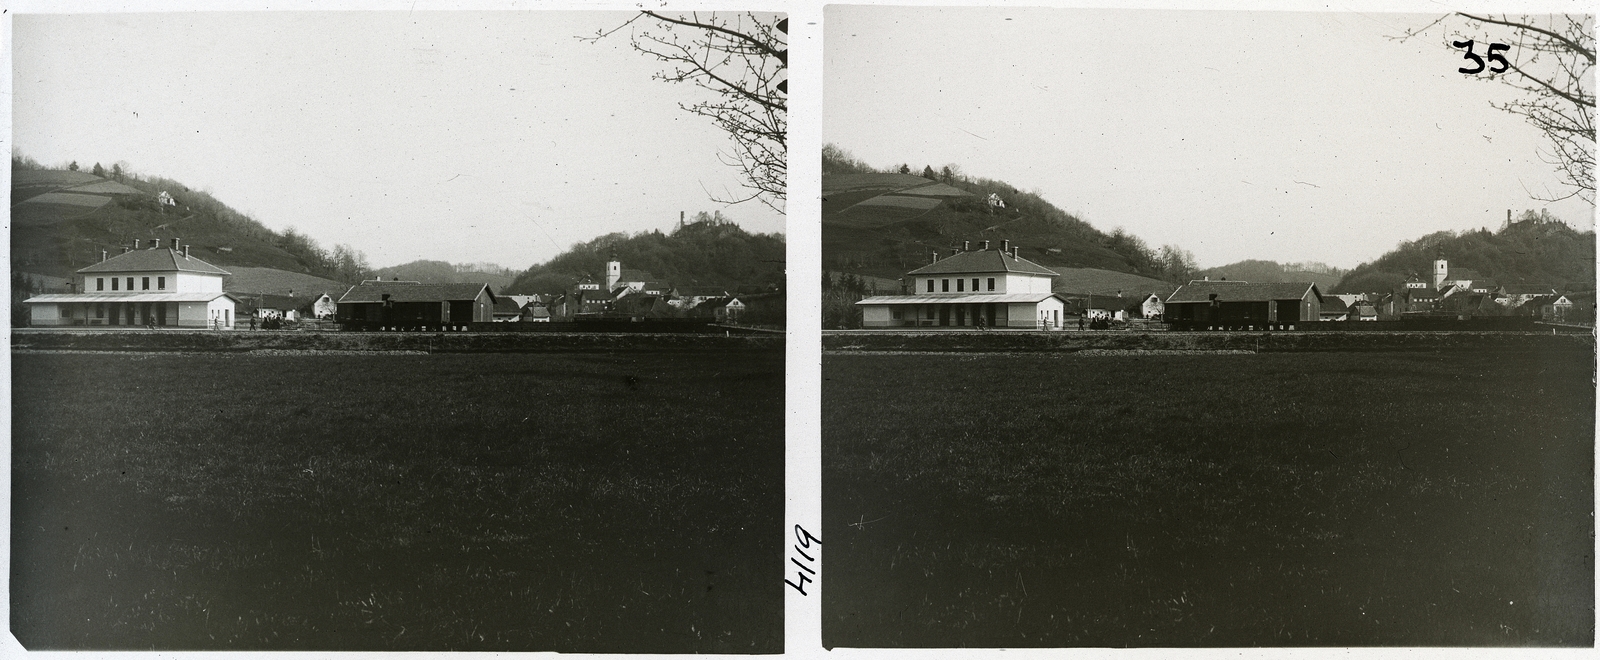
(99, 284)
(114, 282)
(945, 285)
(66, 312)
(930, 286)
(161, 283)
(974, 284)
(991, 284)
(894, 313)
(144, 284)
(961, 285)
(130, 284)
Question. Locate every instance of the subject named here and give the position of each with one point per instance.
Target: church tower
(613, 270)
(1441, 270)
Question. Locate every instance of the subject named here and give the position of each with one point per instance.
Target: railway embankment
(1170, 342)
(383, 342)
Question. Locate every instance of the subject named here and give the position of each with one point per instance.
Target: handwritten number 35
(1493, 57)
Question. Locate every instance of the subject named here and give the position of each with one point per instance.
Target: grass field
(621, 501)
(1293, 499)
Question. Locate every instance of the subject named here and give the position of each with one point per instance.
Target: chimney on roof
(102, 255)
(1014, 250)
(124, 249)
(935, 256)
(174, 245)
(954, 252)
(186, 251)
(1005, 246)
(986, 246)
(966, 245)
(155, 243)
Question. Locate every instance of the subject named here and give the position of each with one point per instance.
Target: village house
(535, 313)
(691, 297)
(1223, 304)
(725, 310)
(1334, 308)
(393, 304)
(154, 286)
(1153, 307)
(270, 306)
(324, 307)
(506, 310)
(993, 288)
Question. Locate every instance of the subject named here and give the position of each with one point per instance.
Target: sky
(447, 135)
(1235, 135)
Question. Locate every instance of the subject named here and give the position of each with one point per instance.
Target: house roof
(157, 260)
(503, 305)
(372, 292)
(983, 261)
(701, 291)
(1097, 301)
(272, 301)
(535, 312)
(721, 302)
(1226, 291)
(187, 296)
(960, 298)
(1334, 304)
(1523, 290)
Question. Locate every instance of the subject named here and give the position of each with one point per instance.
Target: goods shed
(1235, 305)
(398, 305)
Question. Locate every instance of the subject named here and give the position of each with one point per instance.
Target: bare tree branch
(743, 60)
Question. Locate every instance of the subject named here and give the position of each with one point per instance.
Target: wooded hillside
(868, 228)
(63, 218)
(709, 251)
(1534, 250)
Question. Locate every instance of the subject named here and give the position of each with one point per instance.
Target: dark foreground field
(629, 501)
(1295, 499)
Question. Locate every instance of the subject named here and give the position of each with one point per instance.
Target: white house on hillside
(152, 286)
(991, 287)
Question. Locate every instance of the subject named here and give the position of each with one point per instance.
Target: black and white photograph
(401, 330)
(1222, 328)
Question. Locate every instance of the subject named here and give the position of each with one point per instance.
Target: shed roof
(372, 292)
(157, 260)
(983, 261)
(1226, 291)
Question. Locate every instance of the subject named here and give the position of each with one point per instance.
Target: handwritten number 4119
(1493, 57)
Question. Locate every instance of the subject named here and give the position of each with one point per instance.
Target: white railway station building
(152, 286)
(992, 288)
